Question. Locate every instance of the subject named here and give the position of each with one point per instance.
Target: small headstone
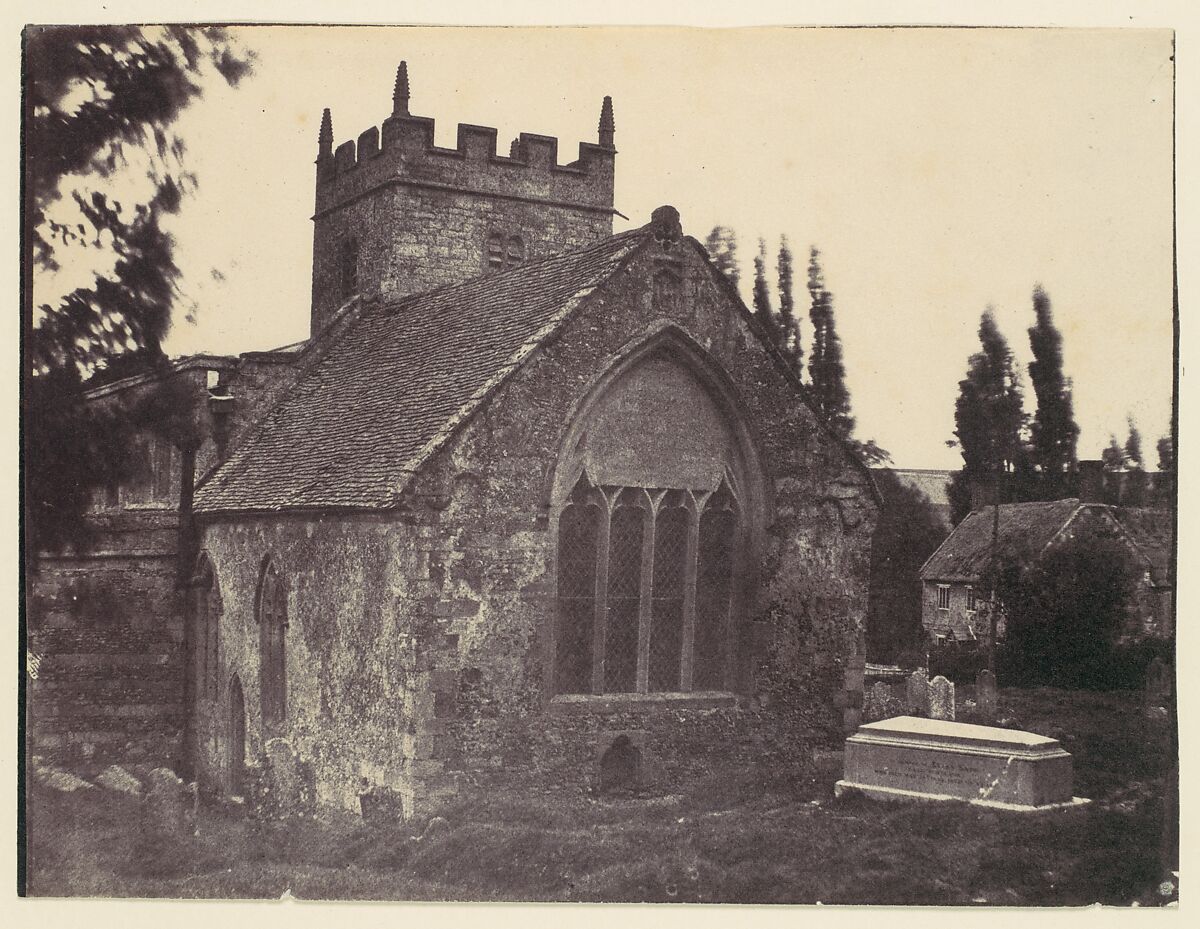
(170, 801)
(1158, 682)
(882, 703)
(985, 693)
(283, 777)
(62, 780)
(916, 693)
(941, 698)
(436, 826)
(117, 778)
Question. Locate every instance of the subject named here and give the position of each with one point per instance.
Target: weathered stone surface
(925, 759)
(881, 702)
(1158, 682)
(381, 805)
(916, 693)
(171, 802)
(941, 698)
(114, 777)
(985, 694)
(284, 778)
(62, 780)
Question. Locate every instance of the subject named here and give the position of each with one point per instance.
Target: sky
(939, 171)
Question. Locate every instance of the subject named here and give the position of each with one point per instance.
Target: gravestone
(620, 767)
(909, 758)
(283, 777)
(117, 778)
(941, 698)
(881, 702)
(985, 694)
(171, 802)
(1158, 682)
(916, 693)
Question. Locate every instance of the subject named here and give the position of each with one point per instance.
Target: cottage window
(348, 268)
(971, 601)
(943, 596)
(272, 630)
(645, 579)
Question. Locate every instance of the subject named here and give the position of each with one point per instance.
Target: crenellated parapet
(396, 214)
(404, 152)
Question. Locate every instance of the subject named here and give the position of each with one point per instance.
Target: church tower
(395, 214)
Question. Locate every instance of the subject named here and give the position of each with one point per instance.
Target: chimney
(1091, 481)
(981, 494)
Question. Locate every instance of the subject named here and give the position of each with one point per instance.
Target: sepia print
(630, 465)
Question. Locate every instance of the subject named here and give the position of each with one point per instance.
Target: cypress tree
(826, 370)
(989, 420)
(1133, 447)
(762, 294)
(1054, 431)
(789, 325)
(722, 249)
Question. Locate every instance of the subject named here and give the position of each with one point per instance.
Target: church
(535, 506)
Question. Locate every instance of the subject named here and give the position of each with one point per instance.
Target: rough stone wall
(421, 214)
(955, 623)
(416, 650)
(107, 634)
(349, 695)
(482, 634)
(106, 623)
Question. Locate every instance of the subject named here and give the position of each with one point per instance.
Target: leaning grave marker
(911, 758)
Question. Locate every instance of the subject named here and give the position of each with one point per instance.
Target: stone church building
(536, 505)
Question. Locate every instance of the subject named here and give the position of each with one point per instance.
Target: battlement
(404, 152)
(396, 213)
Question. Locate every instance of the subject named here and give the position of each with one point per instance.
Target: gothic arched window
(348, 267)
(207, 595)
(645, 583)
(272, 633)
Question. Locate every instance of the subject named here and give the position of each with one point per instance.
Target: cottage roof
(398, 381)
(1025, 530)
(1152, 533)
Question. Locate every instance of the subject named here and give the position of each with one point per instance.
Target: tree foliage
(907, 533)
(989, 421)
(789, 326)
(1054, 433)
(722, 249)
(761, 299)
(101, 103)
(1133, 447)
(1065, 612)
(826, 370)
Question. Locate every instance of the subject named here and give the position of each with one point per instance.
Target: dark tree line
(824, 374)
(1014, 457)
(101, 101)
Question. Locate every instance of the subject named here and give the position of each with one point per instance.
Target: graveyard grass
(725, 842)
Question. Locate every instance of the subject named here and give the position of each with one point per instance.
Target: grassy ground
(724, 842)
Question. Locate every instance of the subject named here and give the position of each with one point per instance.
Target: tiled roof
(1153, 534)
(398, 381)
(1025, 529)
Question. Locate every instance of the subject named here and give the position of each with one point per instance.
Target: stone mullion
(690, 572)
(600, 616)
(645, 604)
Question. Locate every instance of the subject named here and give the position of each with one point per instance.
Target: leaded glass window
(645, 586)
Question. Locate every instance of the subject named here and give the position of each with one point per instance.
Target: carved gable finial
(665, 225)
